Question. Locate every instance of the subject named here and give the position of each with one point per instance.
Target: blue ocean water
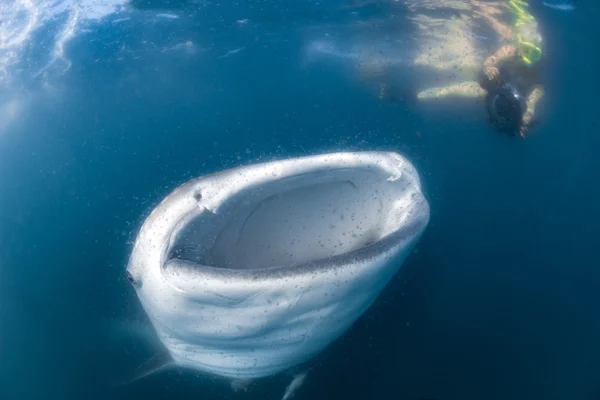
(497, 301)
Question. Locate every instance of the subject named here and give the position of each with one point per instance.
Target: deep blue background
(499, 300)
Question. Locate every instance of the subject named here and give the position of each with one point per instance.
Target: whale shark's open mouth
(293, 220)
(251, 271)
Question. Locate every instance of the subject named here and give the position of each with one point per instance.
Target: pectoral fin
(141, 332)
(294, 385)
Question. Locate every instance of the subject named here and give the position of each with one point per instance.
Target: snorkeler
(511, 76)
(448, 55)
(509, 80)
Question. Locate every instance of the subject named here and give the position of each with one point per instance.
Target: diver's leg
(469, 89)
(457, 58)
(534, 97)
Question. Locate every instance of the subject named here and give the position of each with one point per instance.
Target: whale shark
(252, 271)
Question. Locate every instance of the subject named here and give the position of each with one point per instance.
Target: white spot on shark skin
(253, 271)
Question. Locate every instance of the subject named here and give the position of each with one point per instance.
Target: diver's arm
(488, 11)
(497, 4)
(490, 65)
(503, 53)
(501, 29)
(532, 100)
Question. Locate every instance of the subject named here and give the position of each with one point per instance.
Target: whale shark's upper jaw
(250, 271)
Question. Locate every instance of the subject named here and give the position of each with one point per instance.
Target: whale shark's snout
(251, 271)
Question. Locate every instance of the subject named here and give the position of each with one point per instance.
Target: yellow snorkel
(528, 39)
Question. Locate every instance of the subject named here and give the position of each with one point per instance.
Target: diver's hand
(491, 72)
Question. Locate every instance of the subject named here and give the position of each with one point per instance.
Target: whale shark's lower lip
(248, 272)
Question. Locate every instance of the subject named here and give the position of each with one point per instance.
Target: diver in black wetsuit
(512, 93)
(512, 76)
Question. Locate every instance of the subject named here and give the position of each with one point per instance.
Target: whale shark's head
(252, 270)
